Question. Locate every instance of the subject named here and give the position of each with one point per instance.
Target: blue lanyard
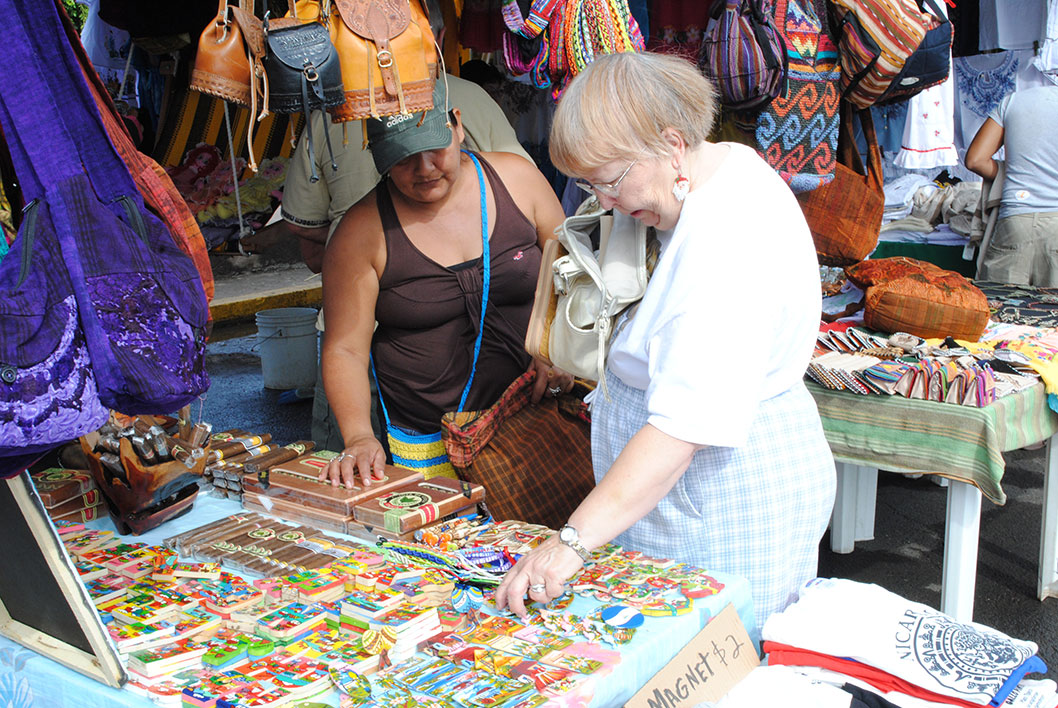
(486, 278)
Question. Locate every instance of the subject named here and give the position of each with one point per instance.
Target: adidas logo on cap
(398, 119)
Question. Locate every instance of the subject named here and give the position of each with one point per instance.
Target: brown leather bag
(845, 215)
(229, 63)
(230, 52)
(387, 52)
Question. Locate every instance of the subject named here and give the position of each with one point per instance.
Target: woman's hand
(541, 574)
(549, 378)
(365, 454)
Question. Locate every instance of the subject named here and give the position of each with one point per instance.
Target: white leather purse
(580, 293)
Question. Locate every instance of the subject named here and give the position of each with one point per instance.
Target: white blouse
(731, 313)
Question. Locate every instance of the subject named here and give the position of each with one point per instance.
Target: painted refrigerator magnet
(621, 616)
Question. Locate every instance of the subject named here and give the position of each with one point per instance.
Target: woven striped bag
(744, 54)
(890, 49)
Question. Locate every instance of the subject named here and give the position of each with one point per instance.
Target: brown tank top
(428, 315)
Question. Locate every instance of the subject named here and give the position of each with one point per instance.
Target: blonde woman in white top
(708, 448)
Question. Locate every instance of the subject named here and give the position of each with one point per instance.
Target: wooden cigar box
(298, 481)
(323, 519)
(91, 498)
(56, 485)
(83, 514)
(418, 504)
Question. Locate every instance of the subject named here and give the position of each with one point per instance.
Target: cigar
(144, 449)
(113, 463)
(141, 426)
(182, 543)
(240, 458)
(236, 446)
(157, 438)
(200, 433)
(264, 561)
(108, 443)
(259, 466)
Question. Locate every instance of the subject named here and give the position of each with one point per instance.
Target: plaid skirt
(758, 511)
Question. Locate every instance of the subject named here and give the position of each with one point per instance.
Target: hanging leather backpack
(229, 54)
(387, 53)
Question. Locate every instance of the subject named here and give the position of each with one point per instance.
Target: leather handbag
(387, 53)
(303, 74)
(845, 215)
(534, 459)
(579, 295)
(302, 68)
(230, 50)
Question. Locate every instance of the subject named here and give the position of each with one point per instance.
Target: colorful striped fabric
(958, 442)
(797, 133)
(876, 38)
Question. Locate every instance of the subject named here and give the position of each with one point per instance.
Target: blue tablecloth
(29, 680)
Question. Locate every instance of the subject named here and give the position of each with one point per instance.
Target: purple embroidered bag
(99, 308)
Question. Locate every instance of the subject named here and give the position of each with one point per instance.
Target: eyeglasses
(609, 189)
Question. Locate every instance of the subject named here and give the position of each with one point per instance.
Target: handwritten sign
(715, 660)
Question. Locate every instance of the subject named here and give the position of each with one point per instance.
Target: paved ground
(905, 556)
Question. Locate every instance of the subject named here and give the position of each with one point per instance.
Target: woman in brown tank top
(409, 257)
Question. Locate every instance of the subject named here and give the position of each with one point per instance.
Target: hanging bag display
(890, 49)
(579, 296)
(744, 54)
(534, 458)
(159, 192)
(425, 452)
(387, 53)
(303, 74)
(100, 309)
(845, 215)
(229, 63)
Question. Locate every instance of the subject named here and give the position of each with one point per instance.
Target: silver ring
(554, 390)
(539, 587)
(341, 457)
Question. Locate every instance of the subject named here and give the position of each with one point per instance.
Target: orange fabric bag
(907, 295)
(845, 215)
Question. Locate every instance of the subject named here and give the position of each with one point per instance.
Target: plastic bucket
(288, 343)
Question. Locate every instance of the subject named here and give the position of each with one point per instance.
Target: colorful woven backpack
(744, 53)
(891, 49)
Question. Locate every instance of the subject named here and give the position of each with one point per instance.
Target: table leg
(853, 516)
(1048, 567)
(961, 530)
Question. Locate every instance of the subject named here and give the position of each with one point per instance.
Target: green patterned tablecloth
(959, 442)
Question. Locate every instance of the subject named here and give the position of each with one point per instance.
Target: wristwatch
(569, 536)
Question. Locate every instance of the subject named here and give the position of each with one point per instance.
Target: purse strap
(486, 278)
(849, 154)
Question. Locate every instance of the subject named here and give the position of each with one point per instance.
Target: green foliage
(78, 13)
